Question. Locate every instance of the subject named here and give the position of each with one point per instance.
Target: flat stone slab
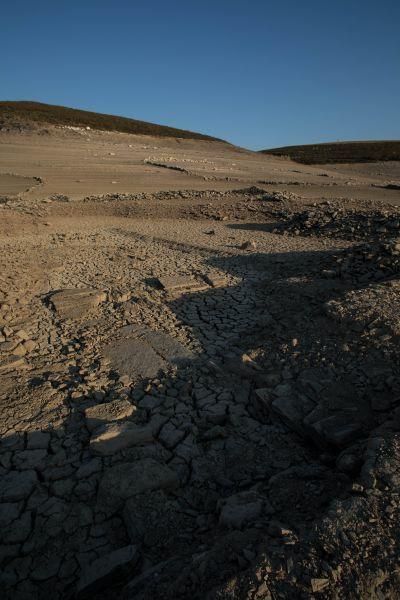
(126, 480)
(135, 358)
(114, 437)
(107, 412)
(182, 283)
(166, 346)
(144, 353)
(114, 567)
(76, 303)
(216, 279)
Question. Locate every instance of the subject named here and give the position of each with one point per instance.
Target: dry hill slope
(19, 113)
(340, 152)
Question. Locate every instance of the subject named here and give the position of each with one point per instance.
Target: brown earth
(215, 413)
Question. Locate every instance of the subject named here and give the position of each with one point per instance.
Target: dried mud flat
(199, 387)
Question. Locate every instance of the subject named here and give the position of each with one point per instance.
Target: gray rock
(215, 279)
(169, 348)
(181, 283)
(145, 353)
(348, 463)
(89, 468)
(18, 530)
(8, 513)
(9, 346)
(336, 430)
(108, 439)
(38, 440)
(283, 390)
(319, 584)
(46, 568)
(250, 245)
(29, 345)
(136, 586)
(170, 436)
(113, 567)
(19, 350)
(76, 303)
(12, 363)
(240, 509)
(261, 401)
(153, 519)
(30, 459)
(150, 402)
(128, 479)
(108, 412)
(216, 414)
(17, 485)
(289, 410)
(135, 358)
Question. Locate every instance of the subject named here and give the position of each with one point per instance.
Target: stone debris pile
(332, 219)
(365, 263)
(248, 193)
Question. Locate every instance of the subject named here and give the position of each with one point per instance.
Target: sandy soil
(12, 185)
(199, 372)
(90, 163)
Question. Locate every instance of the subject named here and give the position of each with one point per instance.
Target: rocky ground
(199, 394)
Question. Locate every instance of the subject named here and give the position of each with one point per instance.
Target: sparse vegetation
(340, 152)
(20, 112)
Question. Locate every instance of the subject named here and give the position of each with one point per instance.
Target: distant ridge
(37, 112)
(340, 152)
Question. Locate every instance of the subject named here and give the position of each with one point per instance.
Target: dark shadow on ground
(256, 472)
(323, 382)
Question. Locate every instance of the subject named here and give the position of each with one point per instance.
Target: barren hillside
(22, 114)
(340, 152)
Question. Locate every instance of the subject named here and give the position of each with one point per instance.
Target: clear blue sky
(258, 73)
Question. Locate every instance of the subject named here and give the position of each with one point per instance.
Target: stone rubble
(335, 219)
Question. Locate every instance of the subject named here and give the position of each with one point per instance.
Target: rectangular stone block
(182, 283)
